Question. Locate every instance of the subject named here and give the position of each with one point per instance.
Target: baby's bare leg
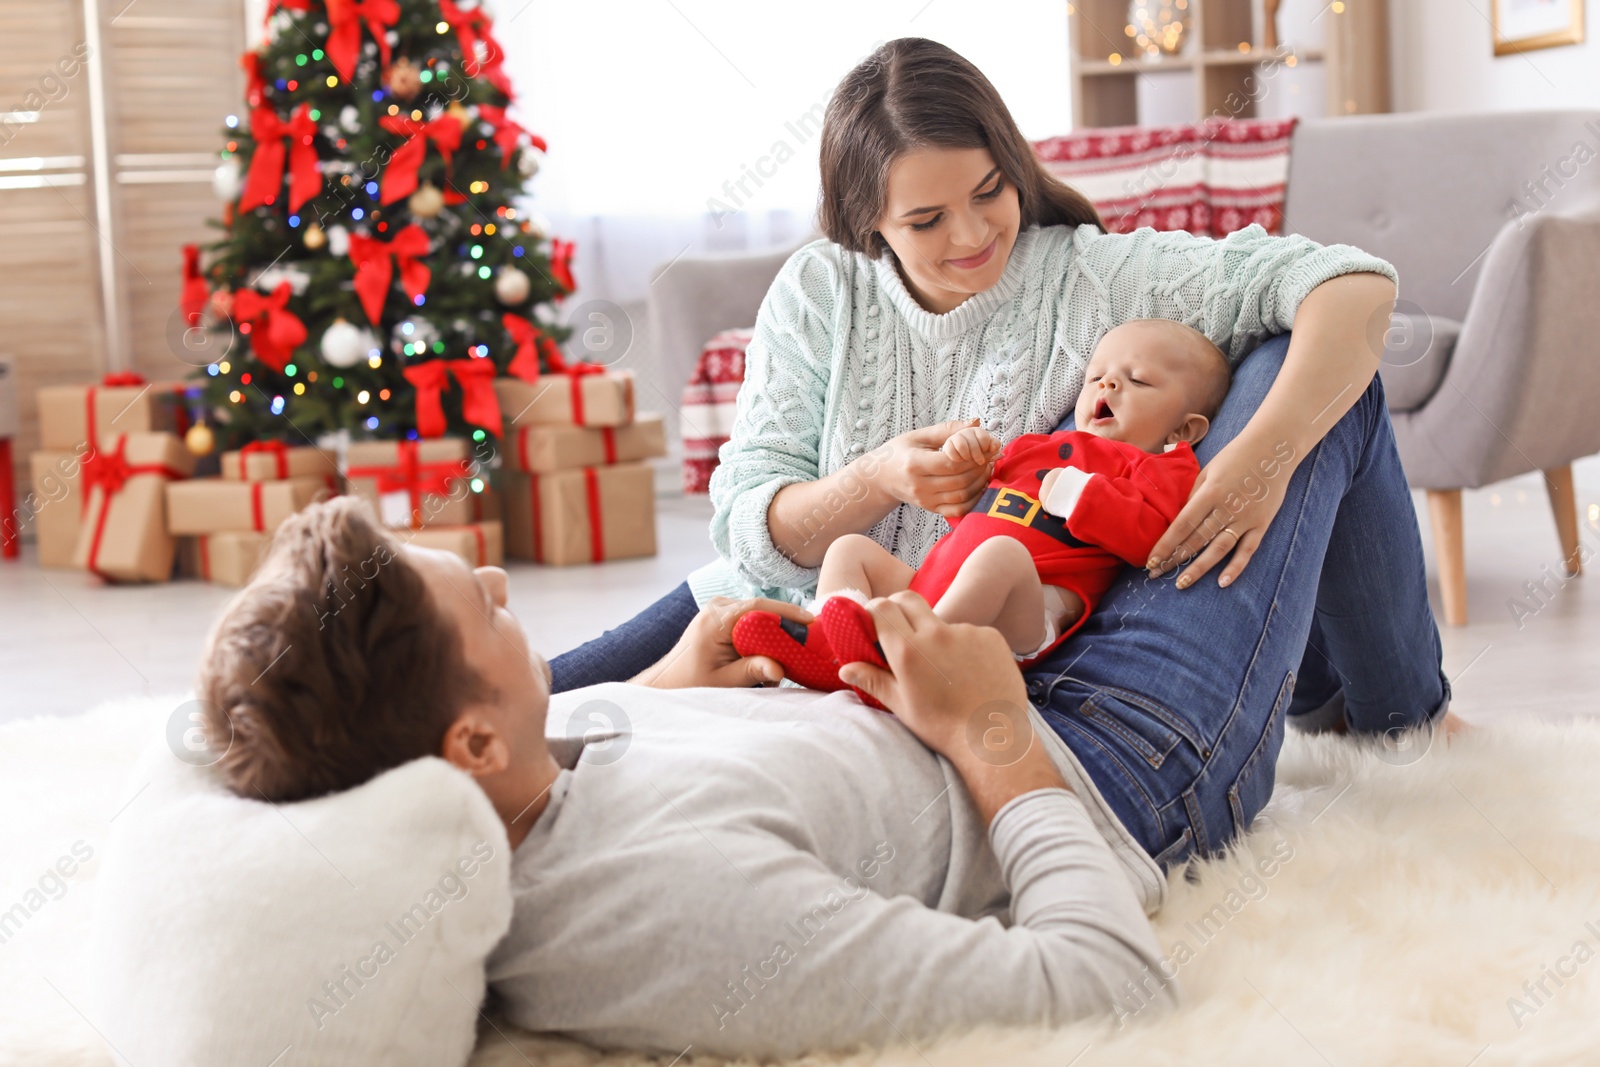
(855, 561)
(998, 586)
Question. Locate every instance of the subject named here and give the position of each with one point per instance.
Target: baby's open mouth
(1102, 409)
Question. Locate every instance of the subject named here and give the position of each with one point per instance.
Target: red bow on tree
(507, 133)
(195, 293)
(375, 263)
(251, 62)
(561, 263)
(275, 331)
(292, 5)
(471, 28)
(429, 379)
(479, 404)
(344, 38)
(400, 177)
(266, 166)
(530, 342)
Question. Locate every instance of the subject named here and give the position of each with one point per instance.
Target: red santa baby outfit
(1109, 507)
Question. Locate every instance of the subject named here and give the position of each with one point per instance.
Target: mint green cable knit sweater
(844, 358)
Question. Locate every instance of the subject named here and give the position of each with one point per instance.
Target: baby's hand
(973, 445)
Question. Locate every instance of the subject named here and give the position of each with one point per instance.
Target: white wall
(1443, 60)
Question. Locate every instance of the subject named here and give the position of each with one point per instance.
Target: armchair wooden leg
(1564, 502)
(1444, 512)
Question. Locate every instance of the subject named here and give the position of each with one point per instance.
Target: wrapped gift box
(57, 505)
(267, 461)
(553, 448)
(215, 505)
(70, 415)
(599, 399)
(420, 483)
(481, 544)
(228, 558)
(588, 515)
(124, 535)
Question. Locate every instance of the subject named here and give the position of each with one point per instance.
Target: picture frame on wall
(1524, 25)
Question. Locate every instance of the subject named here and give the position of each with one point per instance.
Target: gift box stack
(575, 473)
(107, 453)
(433, 489)
(229, 520)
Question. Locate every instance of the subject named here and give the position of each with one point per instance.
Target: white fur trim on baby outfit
(1063, 496)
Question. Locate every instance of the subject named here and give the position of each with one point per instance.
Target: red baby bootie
(853, 637)
(801, 650)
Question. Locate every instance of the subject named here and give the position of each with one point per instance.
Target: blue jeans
(1175, 701)
(624, 651)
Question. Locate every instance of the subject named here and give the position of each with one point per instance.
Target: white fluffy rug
(1434, 910)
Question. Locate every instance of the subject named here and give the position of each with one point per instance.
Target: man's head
(349, 654)
(1151, 383)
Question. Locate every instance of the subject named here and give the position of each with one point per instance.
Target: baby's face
(1140, 386)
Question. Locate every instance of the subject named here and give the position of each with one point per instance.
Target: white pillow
(348, 929)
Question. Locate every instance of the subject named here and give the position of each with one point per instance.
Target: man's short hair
(334, 665)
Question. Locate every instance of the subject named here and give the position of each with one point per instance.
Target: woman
(960, 282)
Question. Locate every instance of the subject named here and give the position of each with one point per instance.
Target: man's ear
(1193, 427)
(473, 744)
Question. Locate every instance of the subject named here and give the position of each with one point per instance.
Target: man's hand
(705, 656)
(957, 688)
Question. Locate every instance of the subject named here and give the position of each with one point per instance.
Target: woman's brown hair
(916, 93)
(335, 663)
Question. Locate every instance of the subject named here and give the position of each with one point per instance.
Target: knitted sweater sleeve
(778, 423)
(1237, 290)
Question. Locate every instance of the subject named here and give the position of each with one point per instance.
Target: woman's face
(951, 219)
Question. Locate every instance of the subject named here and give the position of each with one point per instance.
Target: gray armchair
(1493, 221)
(1493, 362)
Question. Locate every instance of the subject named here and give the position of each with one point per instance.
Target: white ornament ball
(350, 119)
(511, 286)
(413, 331)
(338, 241)
(345, 345)
(529, 161)
(426, 202)
(226, 181)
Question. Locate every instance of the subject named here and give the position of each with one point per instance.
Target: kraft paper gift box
(587, 515)
(481, 544)
(124, 535)
(56, 505)
(70, 415)
(227, 558)
(604, 398)
(420, 483)
(267, 461)
(215, 505)
(553, 448)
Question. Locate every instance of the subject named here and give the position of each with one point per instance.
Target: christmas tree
(375, 274)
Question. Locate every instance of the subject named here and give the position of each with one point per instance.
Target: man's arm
(705, 656)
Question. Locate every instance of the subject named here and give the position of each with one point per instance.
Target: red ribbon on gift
(561, 263)
(409, 473)
(530, 342)
(376, 261)
(575, 373)
(266, 166)
(507, 134)
(276, 449)
(591, 489)
(109, 472)
(400, 177)
(479, 404)
(345, 17)
(114, 380)
(472, 27)
(429, 379)
(195, 293)
(275, 331)
(483, 546)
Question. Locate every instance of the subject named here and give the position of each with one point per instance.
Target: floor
(1533, 645)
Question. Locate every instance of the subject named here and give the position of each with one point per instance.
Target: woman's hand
(957, 688)
(919, 470)
(1230, 507)
(705, 656)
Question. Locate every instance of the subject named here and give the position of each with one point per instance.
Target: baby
(1061, 516)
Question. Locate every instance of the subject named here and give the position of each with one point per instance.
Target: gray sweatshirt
(769, 872)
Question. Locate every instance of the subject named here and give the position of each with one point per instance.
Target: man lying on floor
(745, 871)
